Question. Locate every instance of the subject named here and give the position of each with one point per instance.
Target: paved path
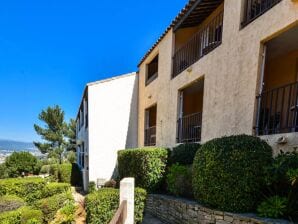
(149, 219)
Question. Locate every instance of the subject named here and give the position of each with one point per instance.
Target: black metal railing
(255, 8)
(278, 109)
(150, 136)
(189, 128)
(204, 41)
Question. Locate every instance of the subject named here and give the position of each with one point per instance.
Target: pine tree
(53, 133)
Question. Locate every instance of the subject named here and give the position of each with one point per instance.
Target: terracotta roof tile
(173, 23)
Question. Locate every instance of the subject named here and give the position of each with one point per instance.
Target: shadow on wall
(132, 130)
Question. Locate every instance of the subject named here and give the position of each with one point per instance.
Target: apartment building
(106, 122)
(222, 67)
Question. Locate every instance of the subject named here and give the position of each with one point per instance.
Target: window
(255, 8)
(152, 70)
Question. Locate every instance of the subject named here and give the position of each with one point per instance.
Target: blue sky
(49, 49)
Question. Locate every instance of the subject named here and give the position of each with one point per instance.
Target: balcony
(150, 126)
(256, 8)
(150, 136)
(206, 39)
(189, 123)
(278, 110)
(278, 99)
(189, 128)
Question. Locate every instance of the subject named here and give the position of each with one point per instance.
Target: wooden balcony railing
(255, 8)
(189, 128)
(278, 110)
(204, 41)
(150, 136)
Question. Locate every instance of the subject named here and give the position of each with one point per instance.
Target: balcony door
(189, 124)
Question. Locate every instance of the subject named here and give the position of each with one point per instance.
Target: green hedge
(179, 180)
(146, 165)
(229, 172)
(102, 205)
(29, 189)
(184, 154)
(65, 173)
(10, 202)
(23, 215)
(49, 206)
(55, 188)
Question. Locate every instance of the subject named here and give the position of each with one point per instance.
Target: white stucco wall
(112, 122)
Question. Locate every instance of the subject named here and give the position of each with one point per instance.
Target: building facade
(106, 123)
(222, 67)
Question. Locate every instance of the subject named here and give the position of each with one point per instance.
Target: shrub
(282, 181)
(146, 165)
(91, 187)
(179, 180)
(273, 207)
(102, 205)
(228, 172)
(10, 217)
(10, 202)
(20, 162)
(3, 171)
(49, 206)
(55, 188)
(23, 215)
(66, 214)
(30, 215)
(45, 169)
(54, 171)
(110, 183)
(65, 173)
(184, 154)
(29, 189)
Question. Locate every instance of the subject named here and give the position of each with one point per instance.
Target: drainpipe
(261, 87)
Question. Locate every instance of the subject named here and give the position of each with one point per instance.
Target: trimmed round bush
(229, 172)
(101, 205)
(179, 180)
(29, 189)
(184, 154)
(146, 165)
(10, 202)
(55, 188)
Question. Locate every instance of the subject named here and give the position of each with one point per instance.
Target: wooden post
(127, 186)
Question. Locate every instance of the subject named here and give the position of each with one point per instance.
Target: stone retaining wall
(174, 210)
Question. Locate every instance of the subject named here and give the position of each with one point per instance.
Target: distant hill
(10, 145)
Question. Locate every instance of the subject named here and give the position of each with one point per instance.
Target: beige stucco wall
(230, 72)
